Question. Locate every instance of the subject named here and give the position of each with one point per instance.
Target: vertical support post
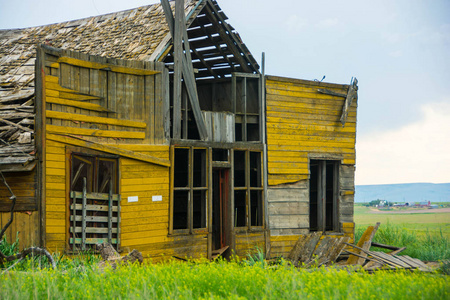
(83, 217)
(265, 159)
(191, 191)
(40, 141)
(118, 221)
(110, 200)
(247, 185)
(321, 201)
(210, 200)
(244, 108)
(232, 217)
(178, 65)
(185, 115)
(233, 92)
(171, 183)
(74, 221)
(336, 167)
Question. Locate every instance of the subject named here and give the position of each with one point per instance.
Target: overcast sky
(398, 50)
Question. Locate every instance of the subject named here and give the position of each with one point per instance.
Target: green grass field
(420, 223)
(220, 280)
(426, 236)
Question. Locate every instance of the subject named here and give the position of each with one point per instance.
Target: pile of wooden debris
(316, 249)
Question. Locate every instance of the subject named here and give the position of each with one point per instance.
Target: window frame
(248, 191)
(322, 201)
(190, 188)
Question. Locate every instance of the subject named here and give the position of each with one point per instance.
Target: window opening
(220, 154)
(246, 101)
(190, 188)
(248, 196)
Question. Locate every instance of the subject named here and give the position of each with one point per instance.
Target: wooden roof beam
(220, 49)
(223, 27)
(186, 66)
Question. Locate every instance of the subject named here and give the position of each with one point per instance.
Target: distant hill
(406, 192)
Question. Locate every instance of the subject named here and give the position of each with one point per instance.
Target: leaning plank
(393, 259)
(108, 149)
(372, 265)
(188, 76)
(374, 260)
(79, 104)
(296, 250)
(16, 125)
(310, 245)
(94, 119)
(95, 132)
(364, 242)
(337, 249)
(376, 255)
(332, 93)
(106, 67)
(414, 262)
(389, 247)
(351, 95)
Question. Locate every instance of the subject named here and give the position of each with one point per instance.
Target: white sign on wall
(133, 199)
(157, 198)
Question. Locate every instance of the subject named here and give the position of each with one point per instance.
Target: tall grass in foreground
(83, 259)
(230, 280)
(431, 246)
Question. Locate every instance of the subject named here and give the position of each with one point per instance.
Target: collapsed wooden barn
(175, 147)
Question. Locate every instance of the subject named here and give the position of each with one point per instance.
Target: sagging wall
(124, 123)
(303, 124)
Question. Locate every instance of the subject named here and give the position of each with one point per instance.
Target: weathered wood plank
(109, 149)
(92, 119)
(105, 67)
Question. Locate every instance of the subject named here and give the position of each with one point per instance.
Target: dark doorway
(221, 230)
(324, 195)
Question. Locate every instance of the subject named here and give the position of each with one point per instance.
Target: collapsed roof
(139, 34)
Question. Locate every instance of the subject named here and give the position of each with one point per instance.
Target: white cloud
(397, 53)
(294, 23)
(417, 152)
(327, 23)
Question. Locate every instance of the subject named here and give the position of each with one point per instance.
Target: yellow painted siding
(302, 121)
(249, 243)
(144, 224)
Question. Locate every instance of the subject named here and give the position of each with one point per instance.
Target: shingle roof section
(132, 34)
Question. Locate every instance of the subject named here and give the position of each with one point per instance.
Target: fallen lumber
(364, 243)
(112, 258)
(389, 247)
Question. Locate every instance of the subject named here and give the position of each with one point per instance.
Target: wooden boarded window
(190, 188)
(323, 195)
(248, 189)
(94, 201)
